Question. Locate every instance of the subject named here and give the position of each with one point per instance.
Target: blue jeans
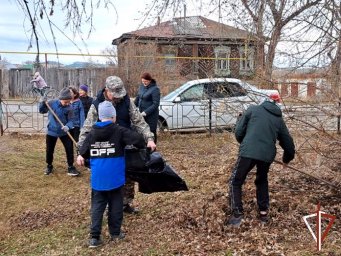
(99, 201)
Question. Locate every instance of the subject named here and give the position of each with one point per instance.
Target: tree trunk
(257, 17)
(260, 62)
(275, 37)
(336, 70)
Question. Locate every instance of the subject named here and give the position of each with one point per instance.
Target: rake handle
(312, 176)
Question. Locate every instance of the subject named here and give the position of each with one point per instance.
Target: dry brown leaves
(192, 222)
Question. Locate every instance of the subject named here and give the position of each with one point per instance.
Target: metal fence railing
(16, 116)
(317, 145)
(21, 117)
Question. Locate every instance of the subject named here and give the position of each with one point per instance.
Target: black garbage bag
(155, 176)
(155, 163)
(166, 180)
(136, 158)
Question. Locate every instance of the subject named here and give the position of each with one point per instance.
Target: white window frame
(170, 62)
(247, 60)
(222, 66)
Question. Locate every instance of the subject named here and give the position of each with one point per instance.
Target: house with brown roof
(188, 47)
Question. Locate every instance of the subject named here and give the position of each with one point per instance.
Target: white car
(208, 103)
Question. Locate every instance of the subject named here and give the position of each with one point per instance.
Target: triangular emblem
(319, 237)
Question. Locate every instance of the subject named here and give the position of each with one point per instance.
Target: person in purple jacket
(104, 145)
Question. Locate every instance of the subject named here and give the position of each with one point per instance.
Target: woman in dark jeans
(148, 101)
(78, 113)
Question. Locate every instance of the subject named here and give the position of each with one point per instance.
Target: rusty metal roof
(187, 27)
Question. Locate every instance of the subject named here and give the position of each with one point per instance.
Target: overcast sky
(15, 31)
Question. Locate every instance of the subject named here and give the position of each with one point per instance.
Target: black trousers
(51, 144)
(75, 132)
(99, 201)
(242, 167)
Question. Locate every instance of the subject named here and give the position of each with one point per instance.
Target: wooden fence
(17, 81)
(14, 82)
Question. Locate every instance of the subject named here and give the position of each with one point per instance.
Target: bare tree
(268, 19)
(333, 33)
(78, 14)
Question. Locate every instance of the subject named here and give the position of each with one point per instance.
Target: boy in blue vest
(105, 146)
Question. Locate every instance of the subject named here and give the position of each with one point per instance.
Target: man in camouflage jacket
(127, 116)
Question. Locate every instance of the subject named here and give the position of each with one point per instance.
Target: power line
(136, 56)
(64, 54)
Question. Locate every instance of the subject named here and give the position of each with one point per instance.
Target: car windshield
(170, 95)
(174, 93)
(194, 93)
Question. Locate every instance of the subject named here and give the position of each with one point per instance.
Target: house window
(246, 60)
(170, 60)
(222, 63)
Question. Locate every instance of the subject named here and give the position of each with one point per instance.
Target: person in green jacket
(257, 131)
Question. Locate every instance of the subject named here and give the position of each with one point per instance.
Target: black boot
(263, 217)
(49, 169)
(72, 171)
(235, 218)
(129, 209)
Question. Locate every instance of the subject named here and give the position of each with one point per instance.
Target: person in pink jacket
(39, 82)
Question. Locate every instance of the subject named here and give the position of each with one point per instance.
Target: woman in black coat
(148, 101)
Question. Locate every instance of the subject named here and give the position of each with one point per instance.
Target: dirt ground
(49, 215)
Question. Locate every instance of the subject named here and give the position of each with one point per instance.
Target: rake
(60, 122)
